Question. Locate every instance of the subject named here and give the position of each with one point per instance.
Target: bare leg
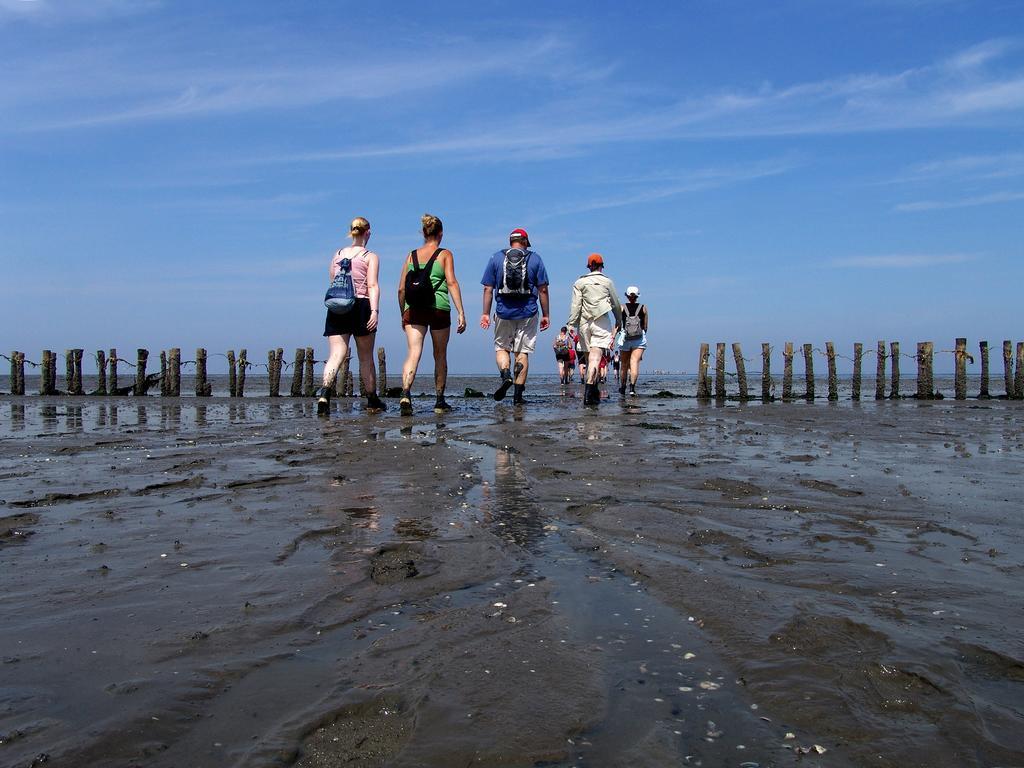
(367, 370)
(624, 359)
(338, 346)
(594, 364)
(414, 335)
(522, 359)
(501, 357)
(440, 339)
(634, 366)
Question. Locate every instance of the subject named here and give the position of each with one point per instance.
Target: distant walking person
(595, 310)
(353, 303)
(517, 278)
(632, 340)
(563, 355)
(426, 290)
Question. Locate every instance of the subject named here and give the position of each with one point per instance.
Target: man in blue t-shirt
(516, 276)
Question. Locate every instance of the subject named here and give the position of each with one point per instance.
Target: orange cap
(594, 260)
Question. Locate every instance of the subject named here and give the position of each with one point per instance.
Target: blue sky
(178, 173)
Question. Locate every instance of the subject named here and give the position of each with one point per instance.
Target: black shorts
(354, 321)
(562, 357)
(435, 319)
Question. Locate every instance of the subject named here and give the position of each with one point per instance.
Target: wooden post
(880, 371)
(925, 388)
(1018, 386)
(300, 355)
(44, 372)
(341, 377)
(382, 372)
(278, 366)
(69, 371)
(17, 373)
(929, 359)
(703, 382)
(983, 352)
(174, 363)
(720, 371)
(766, 372)
(858, 356)
(203, 389)
(101, 372)
(243, 362)
(894, 387)
(741, 369)
(142, 355)
(112, 362)
(787, 371)
(833, 379)
(1008, 368)
(44, 367)
(165, 384)
(307, 377)
(232, 374)
(76, 381)
(809, 370)
(271, 364)
(960, 380)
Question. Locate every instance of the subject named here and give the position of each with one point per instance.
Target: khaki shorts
(598, 332)
(516, 336)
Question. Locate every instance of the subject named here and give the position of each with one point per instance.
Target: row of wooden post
(169, 378)
(1014, 381)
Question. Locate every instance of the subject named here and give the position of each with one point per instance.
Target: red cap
(519, 234)
(594, 260)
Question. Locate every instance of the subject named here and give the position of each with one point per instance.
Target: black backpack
(514, 277)
(419, 288)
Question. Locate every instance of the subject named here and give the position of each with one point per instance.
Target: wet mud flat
(656, 584)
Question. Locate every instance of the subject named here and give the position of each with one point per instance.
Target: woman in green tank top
(416, 321)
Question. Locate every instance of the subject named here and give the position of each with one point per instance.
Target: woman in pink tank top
(360, 321)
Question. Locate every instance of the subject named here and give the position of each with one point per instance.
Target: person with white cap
(632, 340)
(595, 310)
(516, 281)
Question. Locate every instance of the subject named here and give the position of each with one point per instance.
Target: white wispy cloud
(62, 11)
(964, 88)
(121, 84)
(664, 185)
(991, 198)
(998, 165)
(903, 260)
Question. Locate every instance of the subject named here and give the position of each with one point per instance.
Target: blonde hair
(432, 226)
(358, 227)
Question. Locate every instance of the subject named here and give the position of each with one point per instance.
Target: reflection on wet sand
(17, 417)
(513, 515)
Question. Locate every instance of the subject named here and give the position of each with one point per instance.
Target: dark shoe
(405, 404)
(441, 405)
(506, 385)
(632, 391)
(374, 404)
(591, 394)
(622, 390)
(323, 401)
(517, 396)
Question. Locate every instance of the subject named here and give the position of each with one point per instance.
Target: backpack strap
(430, 261)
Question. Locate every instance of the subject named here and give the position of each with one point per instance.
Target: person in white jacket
(596, 312)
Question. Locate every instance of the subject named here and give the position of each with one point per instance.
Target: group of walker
(515, 284)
